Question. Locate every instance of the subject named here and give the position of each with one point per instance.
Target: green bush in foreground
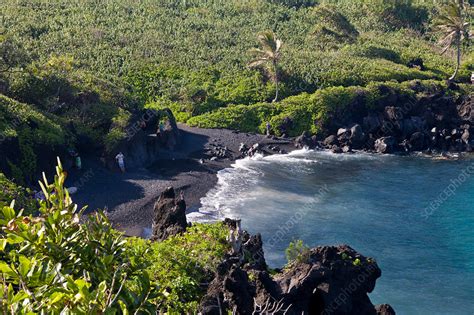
(181, 264)
(54, 264)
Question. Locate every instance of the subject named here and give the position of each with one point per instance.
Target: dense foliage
(23, 197)
(90, 66)
(53, 263)
(182, 265)
(320, 110)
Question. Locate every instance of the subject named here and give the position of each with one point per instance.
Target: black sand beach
(129, 197)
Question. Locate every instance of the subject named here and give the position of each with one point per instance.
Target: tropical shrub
(61, 262)
(181, 265)
(297, 251)
(52, 263)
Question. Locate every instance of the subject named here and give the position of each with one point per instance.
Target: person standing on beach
(78, 162)
(269, 127)
(121, 161)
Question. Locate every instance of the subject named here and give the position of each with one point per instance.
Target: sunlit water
(395, 209)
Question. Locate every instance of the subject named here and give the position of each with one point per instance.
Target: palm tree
(453, 27)
(268, 56)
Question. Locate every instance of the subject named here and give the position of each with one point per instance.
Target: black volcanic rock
(169, 215)
(384, 309)
(372, 123)
(417, 141)
(385, 145)
(304, 140)
(393, 113)
(143, 144)
(334, 280)
(330, 141)
(330, 280)
(406, 125)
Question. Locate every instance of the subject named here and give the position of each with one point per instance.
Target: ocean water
(414, 215)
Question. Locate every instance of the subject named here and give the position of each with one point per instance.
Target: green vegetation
(268, 56)
(452, 23)
(92, 65)
(319, 110)
(25, 130)
(23, 198)
(15, 115)
(181, 264)
(297, 252)
(77, 74)
(54, 264)
(355, 261)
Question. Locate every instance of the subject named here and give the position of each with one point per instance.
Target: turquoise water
(379, 205)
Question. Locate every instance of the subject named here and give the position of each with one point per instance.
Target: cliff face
(436, 121)
(333, 280)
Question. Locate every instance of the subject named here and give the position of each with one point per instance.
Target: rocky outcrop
(433, 122)
(169, 215)
(305, 140)
(331, 280)
(334, 280)
(145, 140)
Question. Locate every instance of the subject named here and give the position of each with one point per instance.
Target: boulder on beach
(169, 215)
(385, 145)
(305, 140)
(330, 141)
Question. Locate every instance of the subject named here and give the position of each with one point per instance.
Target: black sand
(129, 197)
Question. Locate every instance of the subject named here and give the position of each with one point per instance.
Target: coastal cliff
(434, 121)
(321, 280)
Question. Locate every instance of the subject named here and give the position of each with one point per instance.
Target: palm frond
(269, 50)
(257, 63)
(450, 24)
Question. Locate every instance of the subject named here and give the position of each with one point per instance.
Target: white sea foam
(240, 183)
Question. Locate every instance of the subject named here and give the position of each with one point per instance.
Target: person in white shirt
(120, 160)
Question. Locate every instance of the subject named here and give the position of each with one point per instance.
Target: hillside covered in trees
(78, 71)
(75, 74)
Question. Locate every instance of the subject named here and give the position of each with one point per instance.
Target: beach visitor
(268, 128)
(120, 160)
(161, 127)
(78, 162)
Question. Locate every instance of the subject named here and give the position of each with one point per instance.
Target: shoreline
(188, 168)
(191, 168)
